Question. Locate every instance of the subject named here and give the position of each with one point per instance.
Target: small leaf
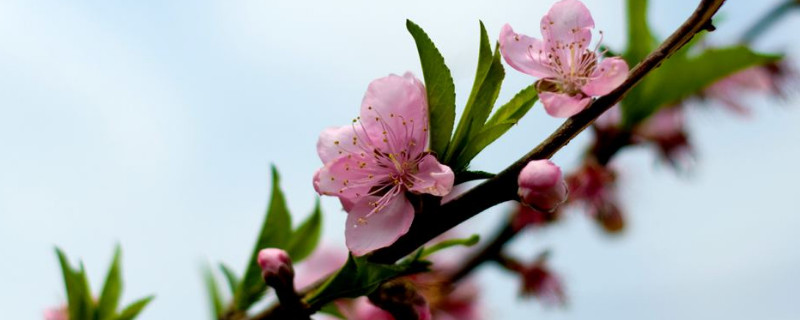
(306, 237)
(134, 309)
(112, 289)
(506, 117)
(360, 277)
(230, 276)
(440, 88)
(467, 242)
(214, 296)
(275, 233)
(79, 299)
(475, 114)
(516, 108)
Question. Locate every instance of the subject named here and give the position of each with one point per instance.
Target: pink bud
(541, 185)
(274, 262)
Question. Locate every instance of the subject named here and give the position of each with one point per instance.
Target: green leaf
(680, 78)
(134, 309)
(306, 237)
(230, 276)
(506, 117)
(516, 108)
(640, 40)
(214, 296)
(275, 233)
(360, 277)
(475, 114)
(467, 242)
(440, 89)
(112, 289)
(79, 297)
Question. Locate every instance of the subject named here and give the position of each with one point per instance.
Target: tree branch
(502, 187)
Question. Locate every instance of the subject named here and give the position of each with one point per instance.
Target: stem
(768, 20)
(435, 220)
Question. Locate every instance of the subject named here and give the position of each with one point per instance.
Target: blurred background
(152, 124)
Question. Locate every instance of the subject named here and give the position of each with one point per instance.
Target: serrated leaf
(230, 276)
(475, 114)
(679, 79)
(133, 310)
(506, 117)
(488, 135)
(214, 296)
(516, 108)
(440, 89)
(360, 277)
(467, 242)
(275, 233)
(112, 289)
(306, 237)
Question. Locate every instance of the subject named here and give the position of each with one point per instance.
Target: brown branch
(435, 220)
(502, 187)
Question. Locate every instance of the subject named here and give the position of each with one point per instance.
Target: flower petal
(349, 177)
(560, 105)
(365, 234)
(335, 142)
(524, 53)
(611, 73)
(433, 177)
(394, 113)
(568, 21)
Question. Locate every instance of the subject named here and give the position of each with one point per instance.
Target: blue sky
(152, 124)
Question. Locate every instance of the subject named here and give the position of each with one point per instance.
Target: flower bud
(276, 266)
(541, 185)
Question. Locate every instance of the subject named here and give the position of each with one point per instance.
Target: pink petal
(349, 177)
(434, 177)
(560, 105)
(524, 53)
(611, 73)
(335, 142)
(394, 113)
(365, 234)
(568, 21)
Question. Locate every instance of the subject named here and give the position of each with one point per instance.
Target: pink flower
(570, 73)
(371, 164)
(59, 313)
(541, 185)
